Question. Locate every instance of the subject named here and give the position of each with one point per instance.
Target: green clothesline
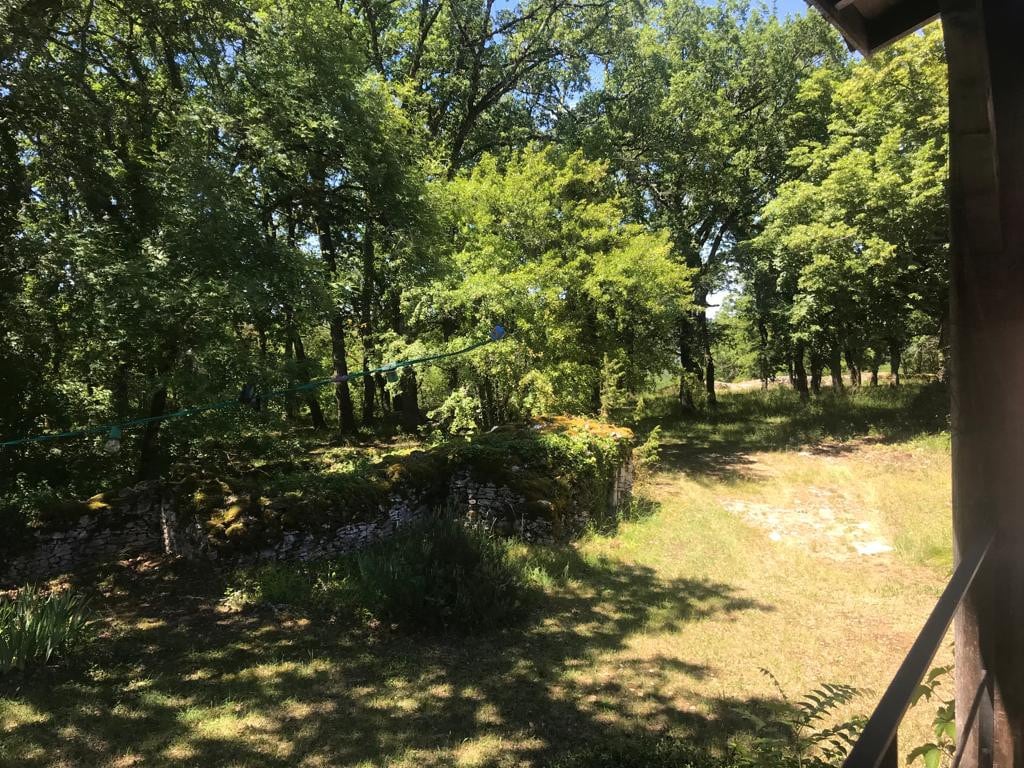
(249, 397)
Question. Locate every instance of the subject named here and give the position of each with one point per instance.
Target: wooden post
(985, 50)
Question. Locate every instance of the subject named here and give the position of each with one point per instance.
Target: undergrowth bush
(438, 574)
(37, 627)
(441, 574)
(458, 414)
(273, 584)
(648, 453)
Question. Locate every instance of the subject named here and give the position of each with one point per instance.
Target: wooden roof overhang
(869, 25)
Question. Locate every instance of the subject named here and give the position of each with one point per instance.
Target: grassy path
(661, 627)
(824, 613)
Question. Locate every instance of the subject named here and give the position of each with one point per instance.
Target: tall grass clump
(438, 574)
(37, 627)
(442, 574)
(274, 584)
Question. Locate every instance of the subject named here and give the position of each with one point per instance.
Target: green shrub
(459, 413)
(932, 689)
(441, 574)
(648, 453)
(536, 394)
(612, 396)
(38, 627)
(438, 574)
(274, 584)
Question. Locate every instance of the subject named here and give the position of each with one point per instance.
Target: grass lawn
(748, 559)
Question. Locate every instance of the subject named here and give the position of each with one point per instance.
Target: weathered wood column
(985, 48)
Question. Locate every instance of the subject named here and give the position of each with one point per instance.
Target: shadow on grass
(176, 681)
(714, 444)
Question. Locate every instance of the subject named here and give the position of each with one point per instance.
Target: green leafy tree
(543, 244)
(698, 113)
(857, 245)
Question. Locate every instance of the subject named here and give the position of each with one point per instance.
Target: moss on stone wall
(557, 470)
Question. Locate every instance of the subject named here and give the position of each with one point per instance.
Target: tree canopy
(197, 194)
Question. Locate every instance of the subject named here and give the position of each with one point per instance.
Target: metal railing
(877, 745)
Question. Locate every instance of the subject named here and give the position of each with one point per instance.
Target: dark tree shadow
(714, 445)
(305, 691)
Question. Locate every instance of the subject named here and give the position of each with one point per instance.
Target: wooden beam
(986, 101)
(870, 34)
(847, 20)
(899, 21)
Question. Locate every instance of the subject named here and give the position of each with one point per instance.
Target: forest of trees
(195, 194)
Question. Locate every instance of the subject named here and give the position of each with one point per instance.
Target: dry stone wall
(144, 519)
(127, 525)
(332, 542)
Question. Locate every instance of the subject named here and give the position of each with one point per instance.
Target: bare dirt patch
(819, 529)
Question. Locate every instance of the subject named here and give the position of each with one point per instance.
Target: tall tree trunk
(799, 372)
(149, 454)
(685, 395)
(316, 413)
(407, 400)
(342, 396)
(409, 394)
(876, 363)
(294, 347)
(851, 364)
(762, 361)
(702, 318)
(817, 364)
(688, 366)
(290, 410)
(411, 416)
(382, 389)
(369, 393)
(709, 360)
(709, 371)
(835, 367)
(895, 360)
(366, 320)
